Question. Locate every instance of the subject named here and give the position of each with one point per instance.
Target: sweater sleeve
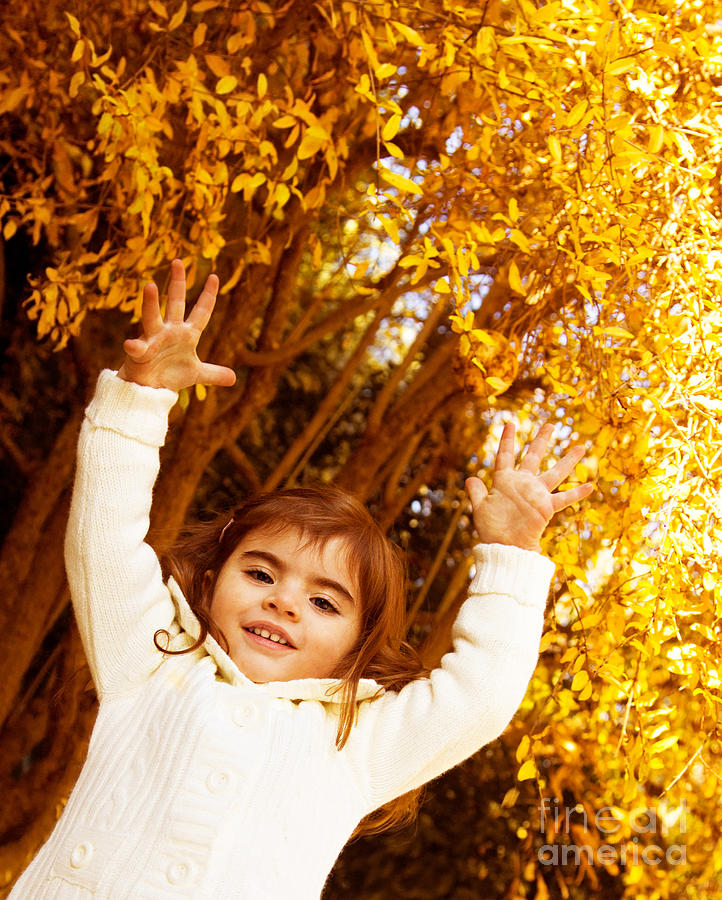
(115, 579)
(404, 739)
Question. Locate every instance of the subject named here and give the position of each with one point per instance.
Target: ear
(209, 578)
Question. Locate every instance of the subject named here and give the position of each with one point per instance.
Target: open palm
(520, 503)
(165, 354)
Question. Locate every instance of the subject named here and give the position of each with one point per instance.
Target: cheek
(350, 637)
(219, 600)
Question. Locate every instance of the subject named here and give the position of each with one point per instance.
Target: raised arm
(116, 584)
(408, 737)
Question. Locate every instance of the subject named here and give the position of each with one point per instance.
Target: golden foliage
(551, 167)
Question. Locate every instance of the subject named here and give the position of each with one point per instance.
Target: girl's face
(287, 611)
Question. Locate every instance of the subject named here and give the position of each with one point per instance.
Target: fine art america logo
(640, 849)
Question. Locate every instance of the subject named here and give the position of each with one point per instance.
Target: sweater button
(244, 714)
(81, 855)
(218, 782)
(178, 873)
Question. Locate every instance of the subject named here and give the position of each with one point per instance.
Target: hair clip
(226, 526)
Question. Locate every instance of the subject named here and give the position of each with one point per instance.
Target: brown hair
(318, 514)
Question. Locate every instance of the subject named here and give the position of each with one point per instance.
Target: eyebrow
(320, 580)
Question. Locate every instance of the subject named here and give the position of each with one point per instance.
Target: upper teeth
(271, 635)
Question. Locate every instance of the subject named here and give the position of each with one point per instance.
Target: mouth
(267, 636)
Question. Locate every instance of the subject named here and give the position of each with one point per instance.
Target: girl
(252, 707)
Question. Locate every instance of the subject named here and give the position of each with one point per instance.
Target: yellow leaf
(656, 138)
(619, 66)
(497, 385)
(385, 70)
(586, 692)
(105, 124)
(247, 183)
(78, 50)
(226, 84)
(442, 286)
(158, 8)
(576, 113)
(399, 181)
(204, 5)
(515, 279)
(201, 392)
(520, 239)
(178, 16)
(394, 150)
(527, 771)
(580, 680)
(488, 338)
(262, 86)
(290, 170)
(665, 743)
(555, 148)
(547, 640)
(522, 751)
(391, 128)
(370, 51)
(410, 34)
(11, 100)
(74, 24)
(217, 64)
(390, 227)
(314, 138)
(75, 82)
(615, 331)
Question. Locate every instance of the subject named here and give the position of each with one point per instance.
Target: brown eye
(260, 576)
(323, 604)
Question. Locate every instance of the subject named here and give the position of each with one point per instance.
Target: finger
(135, 348)
(505, 454)
(476, 489)
(221, 376)
(573, 495)
(536, 450)
(558, 473)
(176, 306)
(150, 311)
(201, 313)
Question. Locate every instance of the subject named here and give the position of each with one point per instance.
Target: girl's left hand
(521, 503)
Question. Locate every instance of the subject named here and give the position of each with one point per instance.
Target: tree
(356, 172)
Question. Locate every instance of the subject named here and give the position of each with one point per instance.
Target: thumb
(220, 376)
(476, 489)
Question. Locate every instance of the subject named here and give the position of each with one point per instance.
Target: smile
(267, 638)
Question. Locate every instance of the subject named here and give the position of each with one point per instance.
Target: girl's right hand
(165, 355)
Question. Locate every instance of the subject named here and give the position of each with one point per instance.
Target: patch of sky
(591, 314)
(455, 139)
(412, 117)
(479, 284)
(397, 334)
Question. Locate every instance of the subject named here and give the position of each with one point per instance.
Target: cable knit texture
(200, 783)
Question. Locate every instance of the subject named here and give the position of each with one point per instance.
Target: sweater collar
(327, 690)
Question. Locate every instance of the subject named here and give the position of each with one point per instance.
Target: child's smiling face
(307, 596)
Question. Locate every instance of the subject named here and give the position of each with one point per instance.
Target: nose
(285, 602)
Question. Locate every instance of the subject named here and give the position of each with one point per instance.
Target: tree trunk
(32, 569)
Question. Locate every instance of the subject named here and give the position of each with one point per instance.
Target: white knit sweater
(200, 783)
